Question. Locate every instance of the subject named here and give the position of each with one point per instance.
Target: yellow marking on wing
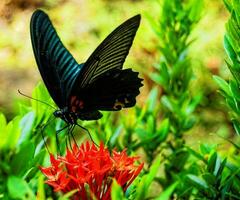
(117, 104)
(126, 101)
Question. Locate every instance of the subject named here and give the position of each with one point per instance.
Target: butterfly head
(68, 117)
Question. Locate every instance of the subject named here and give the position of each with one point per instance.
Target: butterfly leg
(42, 128)
(42, 134)
(87, 133)
(70, 135)
(57, 140)
(68, 139)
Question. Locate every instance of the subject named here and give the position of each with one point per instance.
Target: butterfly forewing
(109, 55)
(57, 66)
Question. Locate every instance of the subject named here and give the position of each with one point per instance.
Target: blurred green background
(83, 24)
(159, 126)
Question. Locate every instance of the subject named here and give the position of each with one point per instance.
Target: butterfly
(82, 90)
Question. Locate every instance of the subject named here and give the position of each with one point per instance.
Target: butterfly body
(71, 117)
(81, 90)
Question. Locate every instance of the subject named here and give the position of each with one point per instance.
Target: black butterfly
(81, 90)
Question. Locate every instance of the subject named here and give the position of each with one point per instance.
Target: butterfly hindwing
(57, 66)
(113, 91)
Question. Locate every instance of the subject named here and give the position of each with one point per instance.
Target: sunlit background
(83, 24)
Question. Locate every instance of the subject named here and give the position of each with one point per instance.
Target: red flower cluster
(90, 171)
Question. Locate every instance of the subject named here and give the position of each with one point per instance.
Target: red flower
(90, 171)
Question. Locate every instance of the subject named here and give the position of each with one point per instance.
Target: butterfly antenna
(36, 99)
(88, 134)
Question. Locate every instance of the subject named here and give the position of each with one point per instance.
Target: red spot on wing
(73, 99)
(81, 104)
(76, 104)
(74, 109)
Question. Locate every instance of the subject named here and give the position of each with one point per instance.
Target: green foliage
(165, 195)
(157, 131)
(218, 181)
(174, 74)
(19, 189)
(174, 71)
(117, 193)
(230, 90)
(22, 148)
(143, 186)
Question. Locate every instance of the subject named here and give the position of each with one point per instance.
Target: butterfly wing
(102, 84)
(113, 91)
(110, 54)
(57, 66)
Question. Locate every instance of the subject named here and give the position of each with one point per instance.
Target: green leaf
(209, 178)
(218, 171)
(147, 179)
(21, 160)
(156, 78)
(42, 110)
(196, 7)
(151, 124)
(236, 7)
(236, 126)
(19, 189)
(233, 105)
(188, 123)
(162, 77)
(68, 195)
(40, 188)
(114, 137)
(12, 132)
(116, 192)
(206, 148)
(35, 162)
(168, 104)
(152, 100)
(142, 133)
(153, 24)
(223, 85)
(229, 49)
(180, 159)
(166, 194)
(197, 182)
(233, 33)
(163, 130)
(196, 154)
(212, 162)
(235, 90)
(235, 70)
(164, 73)
(228, 5)
(26, 125)
(3, 134)
(193, 104)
